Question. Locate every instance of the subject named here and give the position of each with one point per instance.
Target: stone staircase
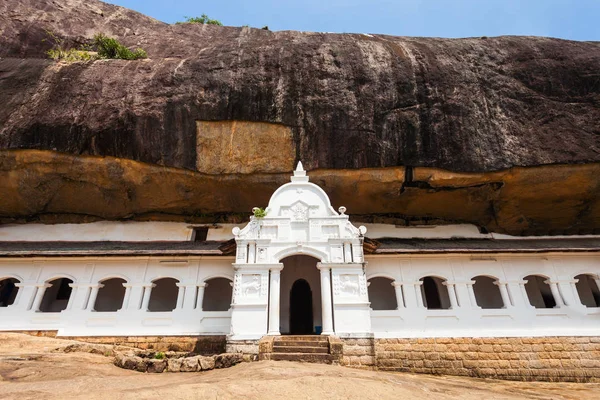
(306, 348)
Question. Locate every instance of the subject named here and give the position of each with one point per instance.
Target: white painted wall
(465, 317)
(139, 273)
(181, 231)
(410, 319)
(133, 231)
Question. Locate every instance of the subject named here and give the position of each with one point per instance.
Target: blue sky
(568, 19)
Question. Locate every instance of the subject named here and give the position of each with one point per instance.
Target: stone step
(300, 349)
(299, 343)
(302, 357)
(302, 337)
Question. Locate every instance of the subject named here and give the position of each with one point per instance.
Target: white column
(568, 292)
(555, 293)
(274, 295)
(419, 293)
(39, 296)
(575, 293)
(74, 289)
(93, 296)
(451, 295)
(519, 294)
(146, 298)
(200, 296)
(25, 296)
(180, 294)
(189, 298)
(399, 295)
(326, 305)
(127, 296)
(504, 294)
(471, 291)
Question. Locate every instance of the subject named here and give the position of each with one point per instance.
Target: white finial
(299, 174)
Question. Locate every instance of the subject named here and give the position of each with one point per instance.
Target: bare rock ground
(30, 367)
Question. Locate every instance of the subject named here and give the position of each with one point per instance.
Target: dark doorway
(301, 313)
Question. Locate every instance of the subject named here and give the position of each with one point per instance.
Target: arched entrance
(301, 310)
(300, 300)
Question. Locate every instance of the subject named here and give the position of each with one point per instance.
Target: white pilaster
(200, 295)
(274, 298)
(93, 296)
(146, 298)
(399, 295)
(555, 293)
(451, 295)
(419, 294)
(180, 296)
(326, 305)
(26, 296)
(126, 298)
(39, 296)
(189, 297)
(504, 294)
(471, 291)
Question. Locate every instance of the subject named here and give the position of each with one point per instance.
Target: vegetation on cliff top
(203, 19)
(103, 47)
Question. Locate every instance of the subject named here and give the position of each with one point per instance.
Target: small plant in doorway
(159, 356)
(259, 212)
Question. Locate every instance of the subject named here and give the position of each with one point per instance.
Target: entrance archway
(300, 300)
(301, 310)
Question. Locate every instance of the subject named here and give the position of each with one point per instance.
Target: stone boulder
(227, 360)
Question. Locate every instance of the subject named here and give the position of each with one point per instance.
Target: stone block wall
(574, 359)
(359, 353)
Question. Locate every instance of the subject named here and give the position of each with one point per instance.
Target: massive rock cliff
(501, 132)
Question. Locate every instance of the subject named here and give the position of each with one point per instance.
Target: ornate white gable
(300, 220)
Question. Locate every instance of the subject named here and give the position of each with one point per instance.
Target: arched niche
(217, 295)
(110, 295)
(539, 292)
(56, 297)
(587, 289)
(163, 296)
(435, 293)
(487, 293)
(8, 291)
(382, 294)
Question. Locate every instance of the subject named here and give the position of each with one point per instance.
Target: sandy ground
(30, 369)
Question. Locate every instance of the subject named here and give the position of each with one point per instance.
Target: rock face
(457, 130)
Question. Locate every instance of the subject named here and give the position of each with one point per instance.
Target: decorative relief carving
(335, 282)
(264, 279)
(350, 230)
(299, 212)
(251, 285)
(237, 278)
(349, 285)
(362, 282)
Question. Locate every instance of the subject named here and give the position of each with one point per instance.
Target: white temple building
(303, 268)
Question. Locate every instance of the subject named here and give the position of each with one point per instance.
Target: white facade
(301, 238)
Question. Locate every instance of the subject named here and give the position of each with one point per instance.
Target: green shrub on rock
(111, 48)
